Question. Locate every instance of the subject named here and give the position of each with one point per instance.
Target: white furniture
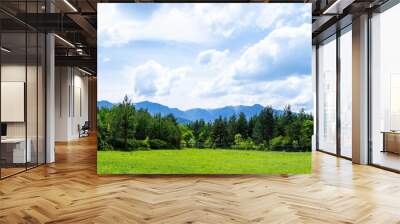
(19, 155)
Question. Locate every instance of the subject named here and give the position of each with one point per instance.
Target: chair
(84, 130)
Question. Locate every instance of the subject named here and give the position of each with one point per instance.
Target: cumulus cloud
(295, 90)
(193, 23)
(284, 51)
(268, 62)
(153, 79)
(274, 71)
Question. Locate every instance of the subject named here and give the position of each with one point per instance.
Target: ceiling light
(70, 5)
(5, 50)
(84, 71)
(65, 41)
(79, 51)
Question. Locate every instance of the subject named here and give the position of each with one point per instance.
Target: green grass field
(202, 161)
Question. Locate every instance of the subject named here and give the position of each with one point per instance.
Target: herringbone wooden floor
(70, 191)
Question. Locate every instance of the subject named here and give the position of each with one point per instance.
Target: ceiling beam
(86, 26)
(78, 61)
(337, 7)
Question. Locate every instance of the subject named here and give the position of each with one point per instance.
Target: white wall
(71, 94)
(62, 82)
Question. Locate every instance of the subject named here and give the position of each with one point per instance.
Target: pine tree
(123, 122)
(264, 127)
(242, 126)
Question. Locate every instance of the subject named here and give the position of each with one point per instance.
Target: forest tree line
(124, 128)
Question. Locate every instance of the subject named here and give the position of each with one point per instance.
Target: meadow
(203, 161)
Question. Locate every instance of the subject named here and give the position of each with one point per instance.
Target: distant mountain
(186, 116)
(212, 114)
(183, 120)
(155, 108)
(104, 104)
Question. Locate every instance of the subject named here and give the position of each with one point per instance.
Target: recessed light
(70, 5)
(84, 71)
(5, 50)
(64, 40)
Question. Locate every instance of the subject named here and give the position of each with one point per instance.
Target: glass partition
(385, 89)
(14, 153)
(22, 101)
(327, 95)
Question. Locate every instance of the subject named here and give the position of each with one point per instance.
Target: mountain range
(186, 116)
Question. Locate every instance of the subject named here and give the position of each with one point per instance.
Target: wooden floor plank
(70, 191)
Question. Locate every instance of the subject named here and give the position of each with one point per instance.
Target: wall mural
(204, 88)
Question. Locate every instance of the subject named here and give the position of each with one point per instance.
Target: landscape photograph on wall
(204, 88)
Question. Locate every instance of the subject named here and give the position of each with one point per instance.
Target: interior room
(22, 100)
(39, 108)
(48, 119)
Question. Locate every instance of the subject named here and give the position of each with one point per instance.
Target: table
(391, 141)
(13, 150)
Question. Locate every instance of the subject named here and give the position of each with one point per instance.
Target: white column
(360, 90)
(50, 99)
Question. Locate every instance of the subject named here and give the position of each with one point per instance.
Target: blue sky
(206, 55)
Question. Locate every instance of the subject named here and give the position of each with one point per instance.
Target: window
(385, 89)
(327, 96)
(346, 93)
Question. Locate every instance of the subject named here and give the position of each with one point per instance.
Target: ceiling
(75, 22)
(75, 29)
(329, 16)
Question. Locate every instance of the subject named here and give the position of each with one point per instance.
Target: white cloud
(222, 19)
(267, 72)
(283, 51)
(295, 90)
(227, 69)
(171, 24)
(211, 56)
(193, 23)
(153, 79)
(277, 16)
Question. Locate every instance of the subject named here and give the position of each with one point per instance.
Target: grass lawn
(202, 161)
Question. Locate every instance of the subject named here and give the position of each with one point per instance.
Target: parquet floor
(70, 191)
